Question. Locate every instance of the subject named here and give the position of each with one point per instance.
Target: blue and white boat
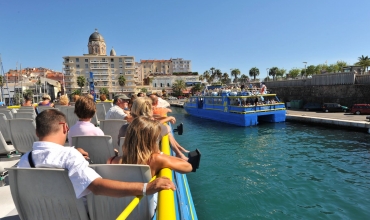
(238, 108)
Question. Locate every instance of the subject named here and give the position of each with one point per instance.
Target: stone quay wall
(346, 95)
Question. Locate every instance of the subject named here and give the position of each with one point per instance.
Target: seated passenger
(27, 101)
(141, 146)
(64, 100)
(103, 97)
(49, 152)
(143, 107)
(84, 109)
(46, 101)
(162, 112)
(117, 110)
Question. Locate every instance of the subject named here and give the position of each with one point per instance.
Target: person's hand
(159, 184)
(172, 119)
(84, 153)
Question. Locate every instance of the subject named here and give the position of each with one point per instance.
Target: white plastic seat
(42, 108)
(22, 133)
(44, 193)
(100, 148)
(4, 147)
(4, 127)
(25, 115)
(100, 111)
(107, 106)
(111, 127)
(7, 112)
(104, 207)
(69, 112)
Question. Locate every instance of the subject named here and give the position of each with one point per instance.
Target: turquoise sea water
(277, 171)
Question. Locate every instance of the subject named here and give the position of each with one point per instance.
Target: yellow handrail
(130, 207)
(166, 199)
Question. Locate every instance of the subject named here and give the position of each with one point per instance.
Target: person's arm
(173, 163)
(168, 119)
(120, 189)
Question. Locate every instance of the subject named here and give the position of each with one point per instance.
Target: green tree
(253, 72)
(273, 71)
(178, 86)
(364, 62)
(218, 74)
(280, 73)
(104, 91)
(76, 92)
(81, 82)
(121, 81)
(144, 90)
(201, 78)
(310, 70)
(294, 72)
(196, 88)
(225, 78)
(318, 69)
(235, 73)
(341, 64)
(212, 69)
(206, 75)
(244, 78)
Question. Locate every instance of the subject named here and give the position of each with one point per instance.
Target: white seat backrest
(4, 148)
(25, 115)
(121, 141)
(100, 111)
(70, 114)
(22, 133)
(104, 207)
(42, 108)
(100, 148)
(111, 127)
(7, 112)
(44, 193)
(4, 127)
(107, 106)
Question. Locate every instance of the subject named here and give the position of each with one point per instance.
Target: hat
(123, 96)
(46, 96)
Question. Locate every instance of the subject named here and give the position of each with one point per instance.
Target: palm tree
(212, 70)
(273, 71)
(81, 81)
(201, 78)
(104, 91)
(253, 72)
(341, 64)
(206, 75)
(281, 73)
(121, 81)
(225, 78)
(218, 73)
(235, 73)
(243, 78)
(196, 88)
(364, 62)
(178, 86)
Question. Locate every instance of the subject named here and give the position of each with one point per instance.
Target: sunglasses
(65, 126)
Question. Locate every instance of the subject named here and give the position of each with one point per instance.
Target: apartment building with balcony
(106, 69)
(179, 65)
(156, 67)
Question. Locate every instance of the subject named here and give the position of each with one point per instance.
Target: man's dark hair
(47, 122)
(139, 94)
(85, 107)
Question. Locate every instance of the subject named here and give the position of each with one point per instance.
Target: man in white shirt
(117, 110)
(49, 152)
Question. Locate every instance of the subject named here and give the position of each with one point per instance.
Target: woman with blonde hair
(142, 106)
(141, 146)
(64, 100)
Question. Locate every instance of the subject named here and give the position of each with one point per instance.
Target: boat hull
(240, 119)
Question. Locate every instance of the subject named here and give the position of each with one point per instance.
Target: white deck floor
(7, 207)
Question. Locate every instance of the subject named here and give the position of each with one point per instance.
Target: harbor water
(277, 171)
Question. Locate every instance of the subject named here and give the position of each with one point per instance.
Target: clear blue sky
(222, 34)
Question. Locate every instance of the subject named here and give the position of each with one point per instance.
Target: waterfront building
(156, 67)
(161, 82)
(106, 69)
(181, 66)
